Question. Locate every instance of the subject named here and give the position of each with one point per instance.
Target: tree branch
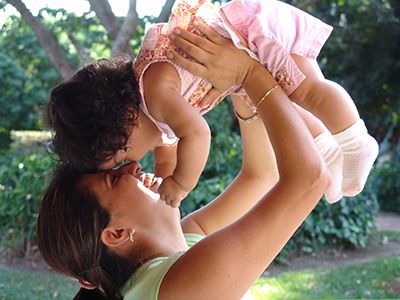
(165, 11)
(81, 51)
(47, 40)
(128, 30)
(106, 17)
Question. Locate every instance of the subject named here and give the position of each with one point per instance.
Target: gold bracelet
(246, 120)
(265, 96)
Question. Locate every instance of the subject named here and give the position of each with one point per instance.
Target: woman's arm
(226, 263)
(257, 176)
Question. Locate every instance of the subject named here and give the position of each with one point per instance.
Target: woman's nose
(133, 168)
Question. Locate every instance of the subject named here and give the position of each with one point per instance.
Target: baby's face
(144, 138)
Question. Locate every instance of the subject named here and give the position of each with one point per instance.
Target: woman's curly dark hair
(92, 113)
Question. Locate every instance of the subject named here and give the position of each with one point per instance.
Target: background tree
(37, 50)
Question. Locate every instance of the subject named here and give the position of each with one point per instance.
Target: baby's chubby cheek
(135, 155)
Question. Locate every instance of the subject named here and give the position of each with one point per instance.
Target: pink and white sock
(359, 153)
(331, 153)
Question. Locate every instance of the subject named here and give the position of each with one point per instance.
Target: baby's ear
(138, 120)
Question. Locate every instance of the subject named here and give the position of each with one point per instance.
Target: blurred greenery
(362, 55)
(23, 173)
(387, 185)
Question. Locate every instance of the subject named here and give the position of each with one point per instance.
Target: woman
(110, 231)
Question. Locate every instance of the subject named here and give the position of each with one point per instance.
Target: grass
(24, 285)
(378, 279)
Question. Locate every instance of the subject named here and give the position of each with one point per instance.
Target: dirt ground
(334, 258)
(324, 259)
(389, 221)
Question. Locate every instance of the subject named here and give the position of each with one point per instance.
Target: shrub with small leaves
(23, 176)
(387, 183)
(347, 223)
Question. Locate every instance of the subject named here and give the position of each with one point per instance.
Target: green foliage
(348, 223)
(26, 76)
(23, 173)
(362, 54)
(387, 184)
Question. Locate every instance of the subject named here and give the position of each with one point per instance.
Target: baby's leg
(323, 98)
(329, 150)
(332, 104)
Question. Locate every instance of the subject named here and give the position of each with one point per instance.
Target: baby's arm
(164, 160)
(165, 103)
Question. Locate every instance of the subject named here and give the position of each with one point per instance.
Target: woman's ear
(114, 237)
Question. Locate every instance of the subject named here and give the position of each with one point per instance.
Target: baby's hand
(151, 182)
(171, 192)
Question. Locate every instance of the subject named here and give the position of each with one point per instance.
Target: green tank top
(145, 282)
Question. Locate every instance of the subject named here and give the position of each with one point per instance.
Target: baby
(287, 41)
(166, 116)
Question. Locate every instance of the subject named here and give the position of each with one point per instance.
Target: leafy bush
(387, 184)
(347, 223)
(352, 56)
(27, 76)
(23, 174)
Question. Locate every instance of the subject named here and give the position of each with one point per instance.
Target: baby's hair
(92, 113)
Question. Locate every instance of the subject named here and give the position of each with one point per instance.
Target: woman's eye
(115, 178)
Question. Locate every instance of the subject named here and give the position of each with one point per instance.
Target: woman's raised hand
(217, 59)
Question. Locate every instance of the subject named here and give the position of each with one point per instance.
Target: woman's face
(130, 196)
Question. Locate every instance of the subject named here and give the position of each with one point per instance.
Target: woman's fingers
(223, 65)
(212, 96)
(155, 184)
(191, 48)
(210, 33)
(194, 39)
(189, 65)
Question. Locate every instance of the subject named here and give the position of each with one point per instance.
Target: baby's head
(92, 113)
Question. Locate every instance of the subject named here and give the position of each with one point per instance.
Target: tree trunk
(128, 30)
(166, 11)
(106, 17)
(47, 40)
(85, 56)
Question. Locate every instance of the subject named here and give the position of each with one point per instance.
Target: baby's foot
(331, 153)
(359, 153)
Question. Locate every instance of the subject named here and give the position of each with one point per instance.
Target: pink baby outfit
(273, 31)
